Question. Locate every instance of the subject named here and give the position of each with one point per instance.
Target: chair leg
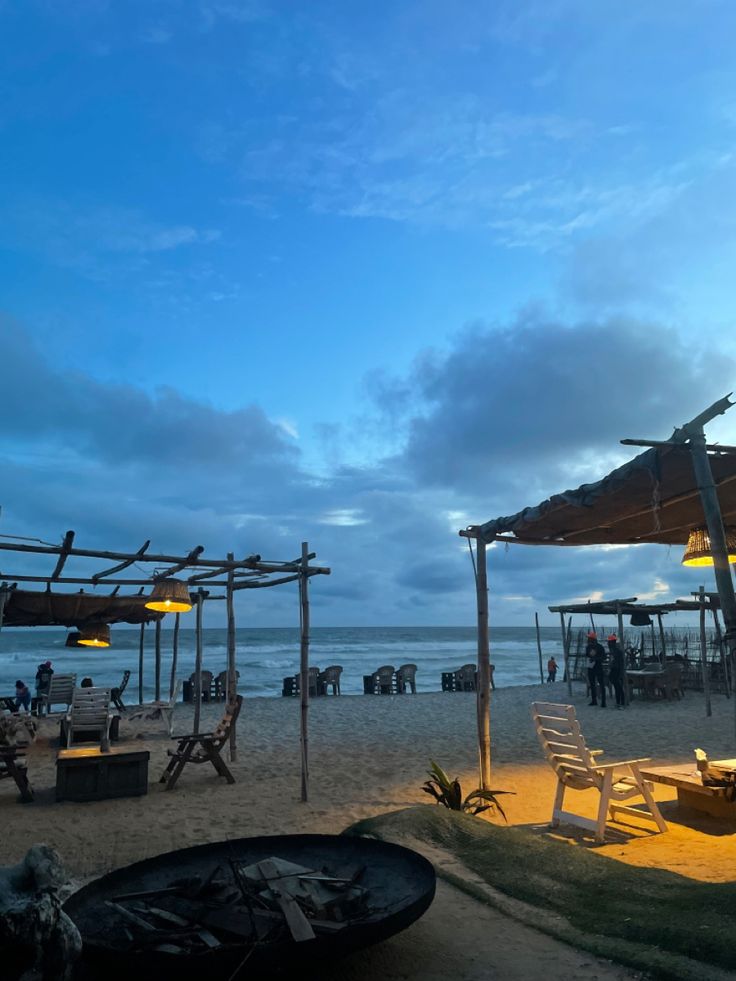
(180, 764)
(646, 792)
(600, 833)
(219, 764)
(557, 806)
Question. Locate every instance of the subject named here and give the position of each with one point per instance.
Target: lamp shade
(640, 620)
(169, 596)
(72, 639)
(698, 550)
(94, 635)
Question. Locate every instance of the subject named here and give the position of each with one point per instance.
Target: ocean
(265, 656)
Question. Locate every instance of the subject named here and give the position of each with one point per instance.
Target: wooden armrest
(194, 735)
(596, 752)
(611, 766)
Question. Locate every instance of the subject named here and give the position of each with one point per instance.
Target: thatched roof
(652, 498)
(24, 608)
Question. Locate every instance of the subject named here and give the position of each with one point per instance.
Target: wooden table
(649, 681)
(690, 790)
(89, 774)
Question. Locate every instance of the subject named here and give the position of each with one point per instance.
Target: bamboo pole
(566, 652)
(174, 655)
(723, 657)
(620, 619)
(304, 669)
(157, 676)
(662, 639)
(141, 647)
(3, 600)
(716, 533)
(483, 694)
(704, 654)
(231, 675)
(198, 661)
(539, 648)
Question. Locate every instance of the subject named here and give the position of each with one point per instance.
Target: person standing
(616, 670)
(596, 656)
(551, 670)
(22, 696)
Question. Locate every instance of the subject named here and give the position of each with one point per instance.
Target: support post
(723, 655)
(704, 655)
(620, 619)
(566, 652)
(483, 703)
(539, 648)
(662, 638)
(717, 535)
(198, 661)
(304, 668)
(231, 670)
(141, 646)
(157, 676)
(174, 655)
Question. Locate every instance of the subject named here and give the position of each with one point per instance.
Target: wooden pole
(539, 648)
(662, 638)
(625, 679)
(141, 646)
(157, 676)
(566, 653)
(704, 654)
(231, 675)
(304, 669)
(198, 661)
(174, 655)
(723, 655)
(483, 695)
(716, 533)
(3, 600)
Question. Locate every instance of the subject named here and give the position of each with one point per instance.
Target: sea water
(265, 656)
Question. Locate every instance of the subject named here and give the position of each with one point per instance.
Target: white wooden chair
(163, 710)
(89, 712)
(576, 768)
(61, 690)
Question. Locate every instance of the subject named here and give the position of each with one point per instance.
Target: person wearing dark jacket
(596, 656)
(616, 670)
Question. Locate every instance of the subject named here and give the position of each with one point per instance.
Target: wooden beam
(174, 655)
(181, 564)
(141, 643)
(304, 670)
(704, 655)
(198, 662)
(157, 665)
(122, 565)
(695, 426)
(714, 448)
(483, 694)
(63, 555)
(231, 670)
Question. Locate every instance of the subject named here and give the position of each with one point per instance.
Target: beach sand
(369, 755)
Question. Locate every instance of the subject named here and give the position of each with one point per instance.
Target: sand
(369, 755)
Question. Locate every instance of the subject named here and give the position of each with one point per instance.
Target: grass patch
(651, 919)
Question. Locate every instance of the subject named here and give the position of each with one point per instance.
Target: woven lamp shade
(169, 596)
(95, 635)
(640, 620)
(698, 552)
(72, 639)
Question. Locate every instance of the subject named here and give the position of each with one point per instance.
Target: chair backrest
(206, 679)
(407, 672)
(62, 689)
(90, 707)
(563, 744)
(673, 676)
(124, 683)
(465, 676)
(222, 733)
(332, 674)
(385, 673)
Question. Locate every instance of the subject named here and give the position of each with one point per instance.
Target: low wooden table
(690, 790)
(84, 773)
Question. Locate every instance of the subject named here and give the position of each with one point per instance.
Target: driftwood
(35, 933)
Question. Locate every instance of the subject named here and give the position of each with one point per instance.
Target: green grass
(657, 921)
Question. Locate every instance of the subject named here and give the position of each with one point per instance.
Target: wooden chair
(203, 747)
(117, 693)
(671, 684)
(406, 675)
(329, 677)
(61, 691)
(13, 766)
(383, 680)
(207, 684)
(466, 678)
(221, 691)
(576, 768)
(163, 710)
(313, 681)
(89, 712)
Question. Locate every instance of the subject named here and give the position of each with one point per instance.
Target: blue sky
(360, 274)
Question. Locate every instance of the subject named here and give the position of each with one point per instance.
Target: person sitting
(22, 696)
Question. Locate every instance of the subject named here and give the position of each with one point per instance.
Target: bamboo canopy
(675, 485)
(57, 605)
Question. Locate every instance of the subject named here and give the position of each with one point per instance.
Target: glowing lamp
(698, 551)
(72, 639)
(169, 596)
(94, 635)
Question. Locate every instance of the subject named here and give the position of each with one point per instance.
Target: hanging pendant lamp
(640, 620)
(95, 635)
(698, 550)
(72, 639)
(169, 596)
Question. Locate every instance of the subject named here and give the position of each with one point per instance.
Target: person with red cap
(616, 670)
(596, 656)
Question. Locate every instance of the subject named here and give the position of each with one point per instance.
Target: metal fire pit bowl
(400, 884)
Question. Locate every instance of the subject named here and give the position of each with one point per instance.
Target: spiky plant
(449, 793)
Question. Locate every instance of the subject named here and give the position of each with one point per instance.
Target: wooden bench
(84, 773)
(685, 777)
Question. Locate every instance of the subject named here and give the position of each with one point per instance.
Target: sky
(360, 275)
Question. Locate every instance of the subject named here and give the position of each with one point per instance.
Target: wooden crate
(88, 774)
